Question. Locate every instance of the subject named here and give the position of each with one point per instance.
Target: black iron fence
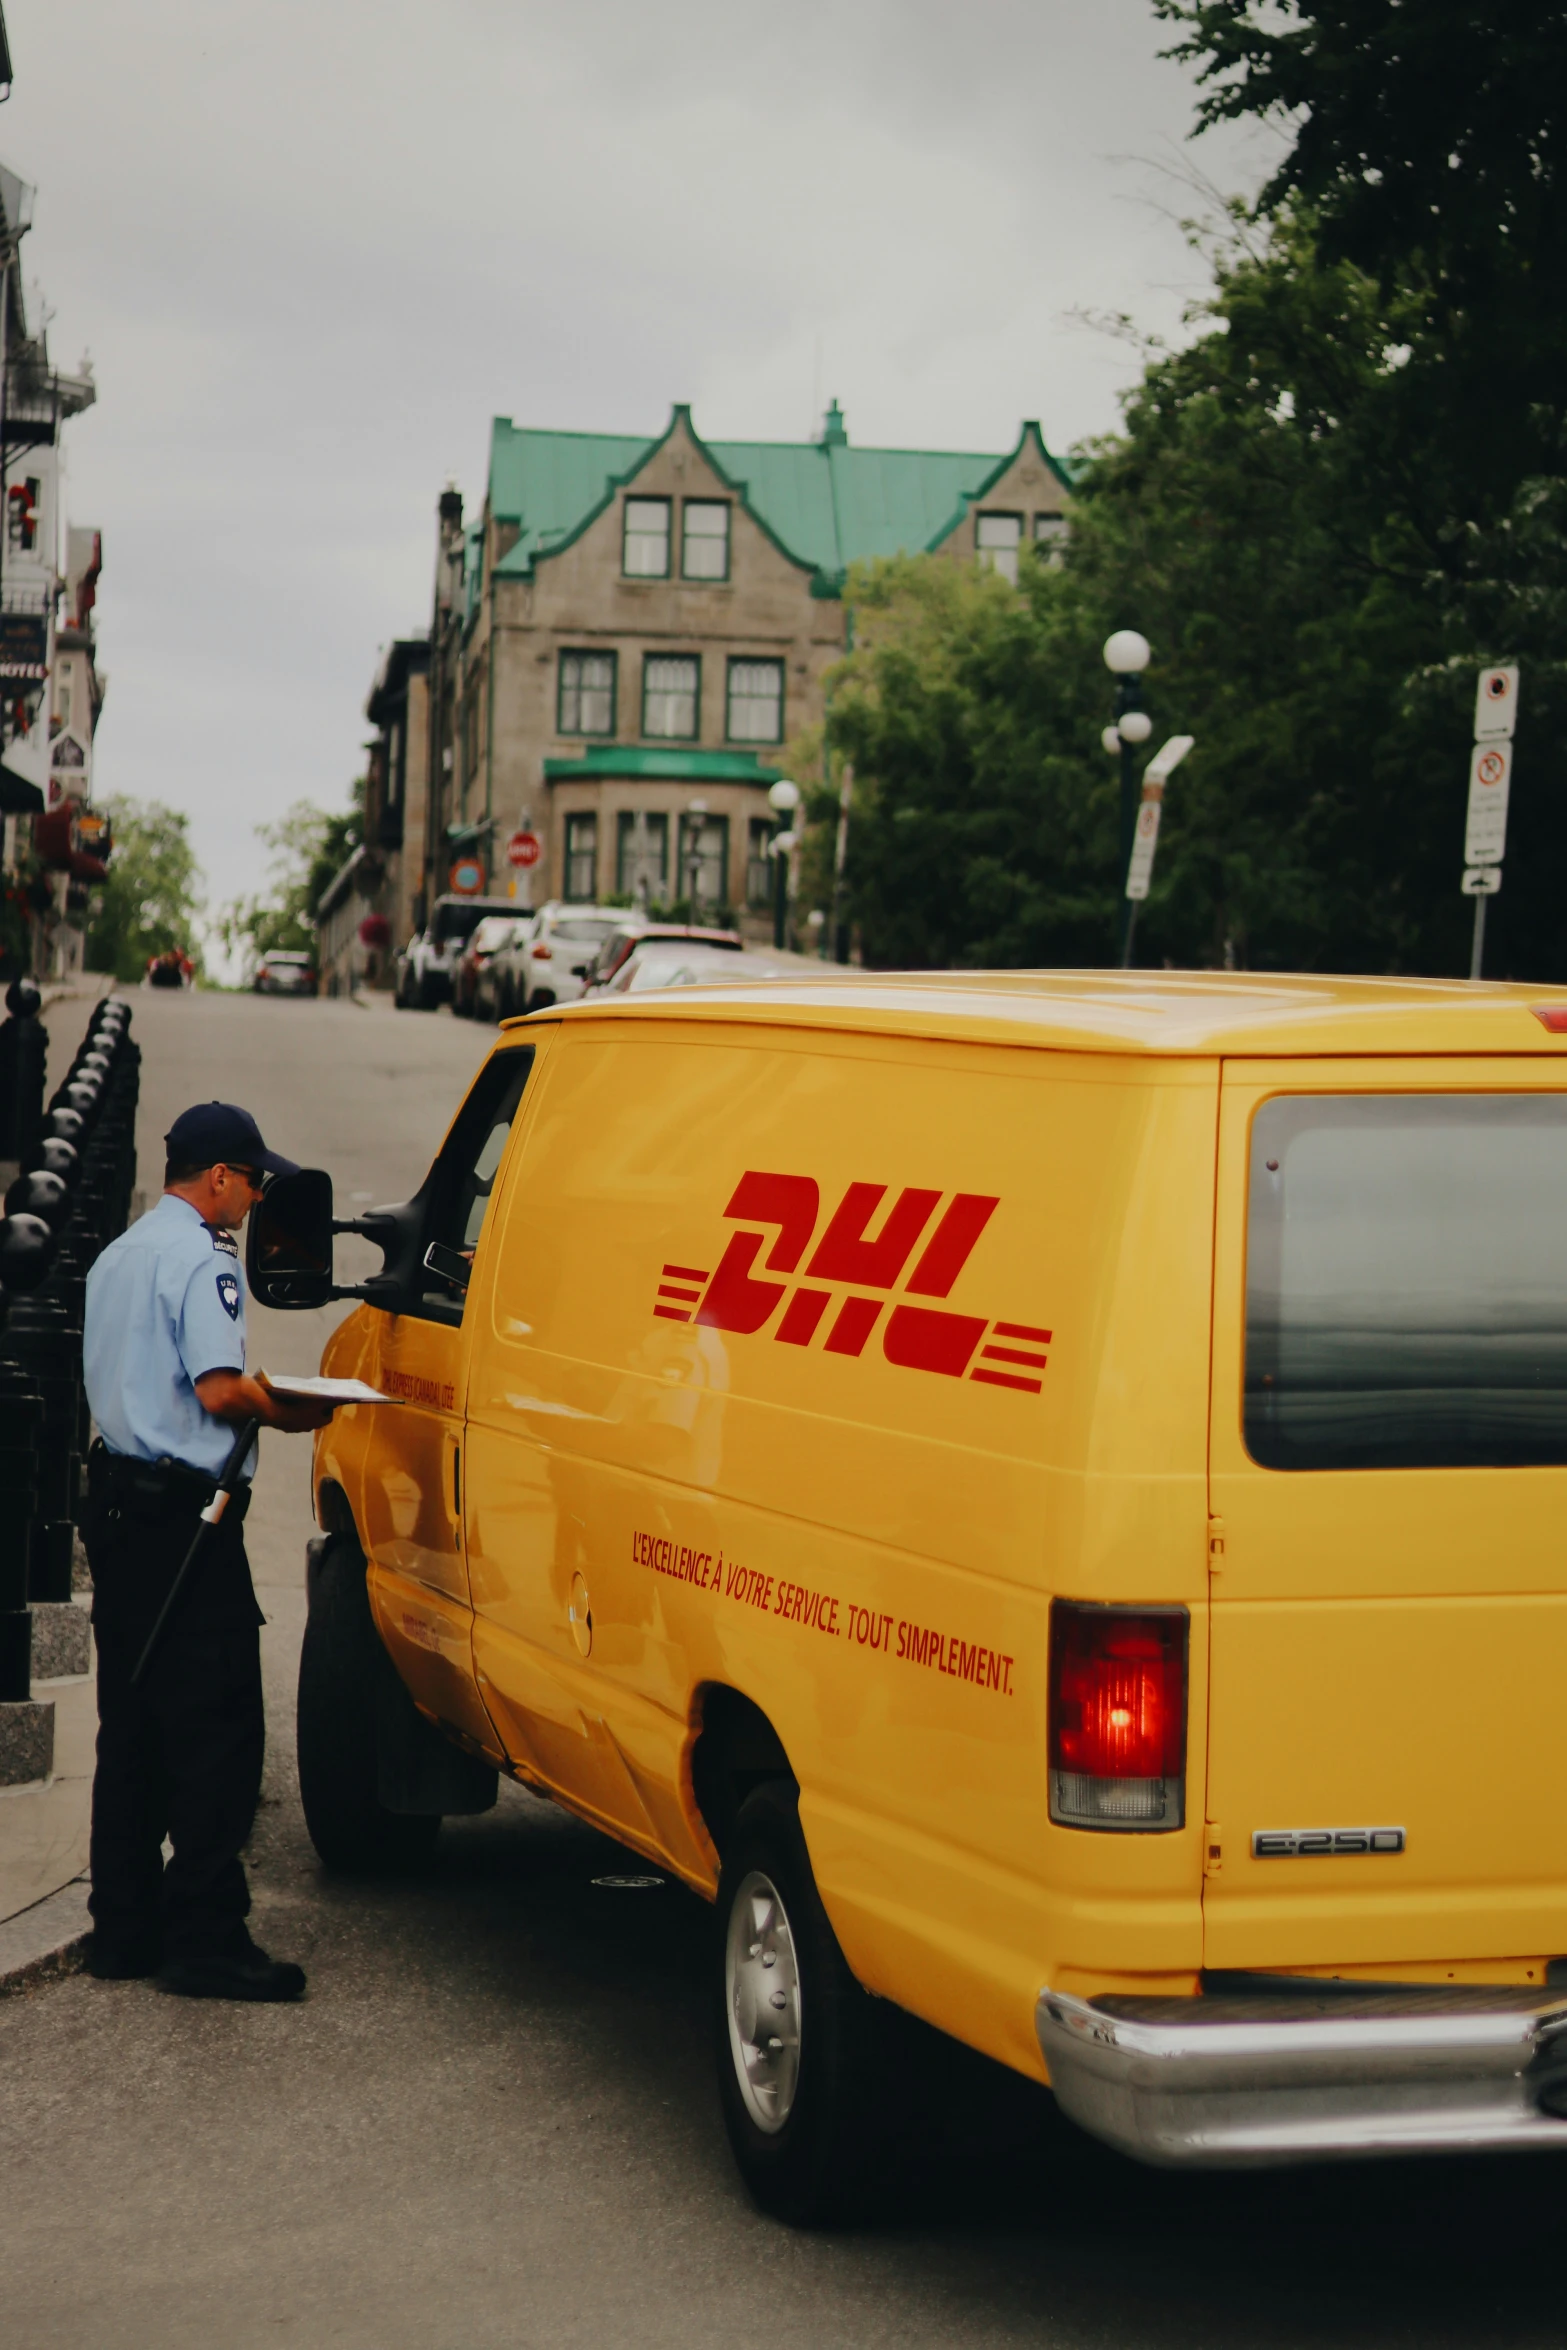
(72, 1196)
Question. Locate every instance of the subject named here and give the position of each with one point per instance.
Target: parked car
(630, 931)
(473, 988)
(547, 960)
(673, 962)
(170, 969)
(283, 972)
(427, 962)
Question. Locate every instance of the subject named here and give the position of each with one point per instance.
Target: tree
(1272, 520)
(1427, 143)
(307, 846)
(152, 898)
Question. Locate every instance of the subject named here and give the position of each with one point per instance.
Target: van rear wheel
(339, 1666)
(799, 2043)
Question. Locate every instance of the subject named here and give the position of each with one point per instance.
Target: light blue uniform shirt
(165, 1305)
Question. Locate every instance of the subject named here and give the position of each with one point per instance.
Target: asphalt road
(493, 2121)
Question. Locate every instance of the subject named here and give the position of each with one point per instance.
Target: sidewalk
(46, 1940)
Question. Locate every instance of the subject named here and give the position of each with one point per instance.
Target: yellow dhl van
(1044, 1496)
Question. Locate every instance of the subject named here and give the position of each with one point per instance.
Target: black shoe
(122, 1962)
(241, 1974)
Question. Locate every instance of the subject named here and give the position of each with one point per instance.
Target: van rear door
(1388, 1488)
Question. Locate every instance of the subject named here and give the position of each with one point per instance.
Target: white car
(545, 962)
(663, 962)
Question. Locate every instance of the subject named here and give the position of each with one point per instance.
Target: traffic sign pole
(1490, 780)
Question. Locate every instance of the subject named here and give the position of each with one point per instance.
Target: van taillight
(1117, 1716)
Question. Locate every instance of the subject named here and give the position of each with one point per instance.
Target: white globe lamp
(1126, 653)
(784, 797)
(1134, 726)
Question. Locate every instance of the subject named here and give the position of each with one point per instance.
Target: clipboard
(324, 1390)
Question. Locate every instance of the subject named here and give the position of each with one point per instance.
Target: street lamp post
(1126, 656)
(783, 799)
(696, 820)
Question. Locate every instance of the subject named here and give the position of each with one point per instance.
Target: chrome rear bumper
(1225, 2083)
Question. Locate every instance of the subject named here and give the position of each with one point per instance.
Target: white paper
(327, 1390)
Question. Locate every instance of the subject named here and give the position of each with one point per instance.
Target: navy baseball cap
(221, 1133)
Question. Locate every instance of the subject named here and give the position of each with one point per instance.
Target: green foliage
(1274, 522)
(152, 898)
(306, 846)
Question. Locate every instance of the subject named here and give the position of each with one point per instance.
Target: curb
(46, 1941)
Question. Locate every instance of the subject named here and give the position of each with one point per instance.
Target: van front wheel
(340, 1665)
(798, 2039)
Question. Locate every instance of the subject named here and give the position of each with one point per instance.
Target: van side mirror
(288, 1247)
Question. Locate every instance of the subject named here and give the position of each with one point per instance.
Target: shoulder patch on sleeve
(228, 1294)
(223, 1242)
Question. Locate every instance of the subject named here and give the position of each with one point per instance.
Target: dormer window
(704, 541)
(645, 548)
(997, 538)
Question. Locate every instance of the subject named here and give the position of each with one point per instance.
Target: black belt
(156, 1487)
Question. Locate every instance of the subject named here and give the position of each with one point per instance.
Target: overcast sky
(314, 245)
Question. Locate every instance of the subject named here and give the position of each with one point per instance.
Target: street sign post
(1496, 704)
(1490, 781)
(1485, 831)
(1145, 836)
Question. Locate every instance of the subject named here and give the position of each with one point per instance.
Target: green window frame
(759, 865)
(669, 680)
(704, 840)
(586, 690)
(751, 713)
(704, 550)
(580, 877)
(645, 535)
(642, 854)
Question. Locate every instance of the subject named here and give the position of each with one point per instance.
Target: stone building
(371, 906)
(624, 641)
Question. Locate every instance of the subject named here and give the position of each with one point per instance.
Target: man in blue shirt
(180, 1756)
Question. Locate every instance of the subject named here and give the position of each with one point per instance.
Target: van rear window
(1406, 1282)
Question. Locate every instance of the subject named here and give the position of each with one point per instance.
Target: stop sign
(524, 848)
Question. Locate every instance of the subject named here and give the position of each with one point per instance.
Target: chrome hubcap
(762, 1991)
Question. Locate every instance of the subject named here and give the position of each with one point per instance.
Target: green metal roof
(824, 503)
(677, 766)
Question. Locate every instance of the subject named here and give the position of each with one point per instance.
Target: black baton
(210, 1517)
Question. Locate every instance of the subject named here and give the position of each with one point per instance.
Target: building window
(756, 701)
(671, 696)
(582, 858)
(759, 865)
(585, 703)
(1050, 536)
(642, 856)
(702, 879)
(704, 542)
(997, 538)
(646, 550)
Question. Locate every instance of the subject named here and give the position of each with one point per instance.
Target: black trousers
(178, 1757)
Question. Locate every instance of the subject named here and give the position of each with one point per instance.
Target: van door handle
(457, 1483)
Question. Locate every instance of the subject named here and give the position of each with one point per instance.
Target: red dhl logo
(916, 1337)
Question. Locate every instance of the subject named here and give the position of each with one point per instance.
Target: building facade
(624, 641)
(56, 845)
(373, 905)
